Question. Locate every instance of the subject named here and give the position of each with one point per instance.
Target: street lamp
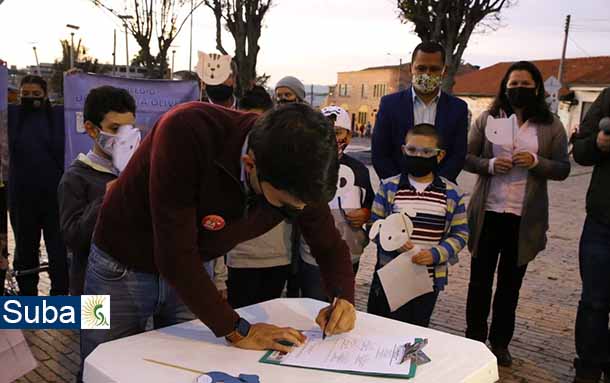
(173, 54)
(125, 18)
(75, 28)
(37, 63)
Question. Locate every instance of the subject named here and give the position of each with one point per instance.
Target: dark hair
(538, 112)
(106, 99)
(429, 47)
(256, 98)
(33, 79)
(296, 151)
(427, 130)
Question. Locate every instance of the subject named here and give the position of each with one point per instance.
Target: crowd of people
(236, 201)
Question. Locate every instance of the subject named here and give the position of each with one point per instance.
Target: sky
(311, 39)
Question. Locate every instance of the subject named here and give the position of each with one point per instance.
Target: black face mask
(32, 103)
(219, 93)
(521, 97)
(420, 166)
(282, 101)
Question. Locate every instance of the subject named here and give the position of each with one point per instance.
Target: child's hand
(406, 247)
(424, 258)
(358, 217)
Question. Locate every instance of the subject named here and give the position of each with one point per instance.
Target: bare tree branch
(243, 19)
(451, 23)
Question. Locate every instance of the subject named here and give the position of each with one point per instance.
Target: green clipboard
(268, 360)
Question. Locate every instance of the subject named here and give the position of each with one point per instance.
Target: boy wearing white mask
(109, 115)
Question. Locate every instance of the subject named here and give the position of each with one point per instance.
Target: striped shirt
(430, 204)
(440, 223)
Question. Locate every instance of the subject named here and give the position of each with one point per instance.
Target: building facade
(583, 80)
(359, 92)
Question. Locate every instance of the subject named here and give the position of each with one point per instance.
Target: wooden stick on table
(175, 366)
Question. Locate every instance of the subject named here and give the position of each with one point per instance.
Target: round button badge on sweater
(213, 222)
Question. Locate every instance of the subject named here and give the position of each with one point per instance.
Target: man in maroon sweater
(204, 179)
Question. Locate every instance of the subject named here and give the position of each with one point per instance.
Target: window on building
(343, 90)
(363, 91)
(379, 90)
(362, 118)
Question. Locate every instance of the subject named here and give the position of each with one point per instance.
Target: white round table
(192, 345)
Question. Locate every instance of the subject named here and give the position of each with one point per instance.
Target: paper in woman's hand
(501, 131)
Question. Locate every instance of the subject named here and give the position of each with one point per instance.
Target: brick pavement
(543, 346)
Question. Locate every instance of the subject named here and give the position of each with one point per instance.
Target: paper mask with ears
(213, 69)
(393, 231)
(347, 191)
(501, 131)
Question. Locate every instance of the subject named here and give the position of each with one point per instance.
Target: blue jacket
(395, 118)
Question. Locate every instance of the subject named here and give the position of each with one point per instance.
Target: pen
(330, 312)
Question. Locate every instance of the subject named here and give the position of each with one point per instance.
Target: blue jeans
(592, 340)
(134, 298)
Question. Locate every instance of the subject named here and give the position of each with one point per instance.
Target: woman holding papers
(514, 147)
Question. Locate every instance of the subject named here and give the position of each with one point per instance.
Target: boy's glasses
(411, 150)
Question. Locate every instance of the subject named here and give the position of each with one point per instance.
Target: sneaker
(503, 356)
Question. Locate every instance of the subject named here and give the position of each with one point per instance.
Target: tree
(82, 61)
(160, 16)
(244, 20)
(451, 23)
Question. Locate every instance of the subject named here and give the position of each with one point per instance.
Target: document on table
(371, 355)
(403, 280)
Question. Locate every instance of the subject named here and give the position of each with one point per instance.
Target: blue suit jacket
(395, 118)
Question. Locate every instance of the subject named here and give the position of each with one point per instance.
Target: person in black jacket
(82, 188)
(592, 148)
(36, 151)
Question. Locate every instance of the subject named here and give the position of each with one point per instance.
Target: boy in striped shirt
(440, 226)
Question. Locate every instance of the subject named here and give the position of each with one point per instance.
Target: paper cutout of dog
(393, 231)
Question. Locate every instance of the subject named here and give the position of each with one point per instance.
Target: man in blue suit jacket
(424, 102)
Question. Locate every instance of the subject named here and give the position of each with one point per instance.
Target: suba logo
(61, 312)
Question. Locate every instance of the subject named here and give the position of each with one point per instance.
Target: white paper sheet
(402, 280)
(374, 354)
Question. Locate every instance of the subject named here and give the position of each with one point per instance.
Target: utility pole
(114, 54)
(125, 18)
(563, 53)
(173, 54)
(311, 96)
(399, 74)
(191, 42)
(74, 28)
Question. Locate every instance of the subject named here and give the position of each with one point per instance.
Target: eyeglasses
(412, 150)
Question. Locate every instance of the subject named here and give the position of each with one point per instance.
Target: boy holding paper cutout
(437, 211)
(351, 207)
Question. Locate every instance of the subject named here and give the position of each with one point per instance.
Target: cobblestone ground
(543, 346)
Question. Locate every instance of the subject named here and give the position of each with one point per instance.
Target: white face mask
(126, 142)
(120, 146)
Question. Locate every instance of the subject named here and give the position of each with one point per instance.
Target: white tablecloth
(193, 345)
